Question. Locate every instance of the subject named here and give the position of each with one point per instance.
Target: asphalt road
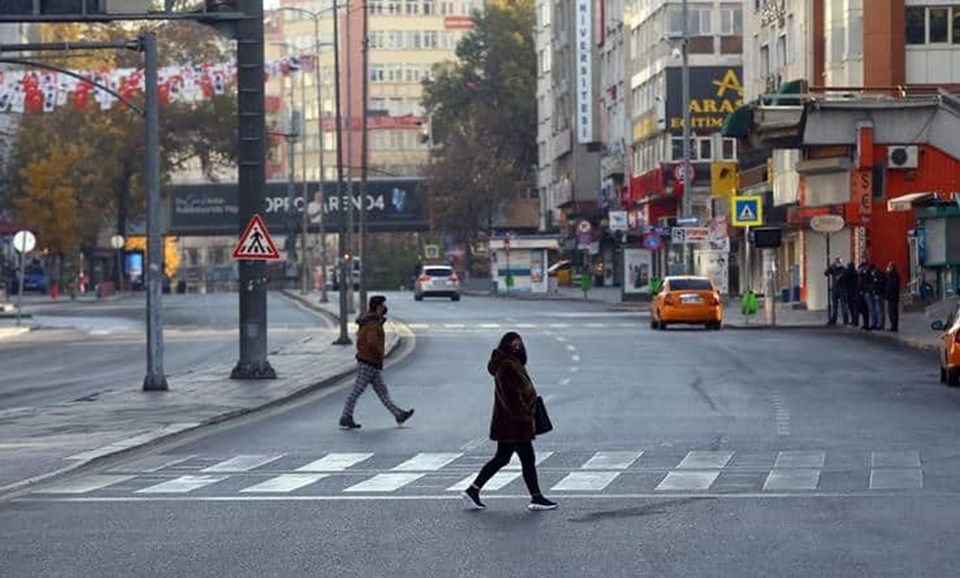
(82, 348)
(678, 453)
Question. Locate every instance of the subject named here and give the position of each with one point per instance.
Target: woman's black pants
(505, 451)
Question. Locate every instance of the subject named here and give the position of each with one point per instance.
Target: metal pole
(155, 380)
(323, 196)
(830, 312)
(344, 339)
(253, 362)
(304, 217)
(685, 73)
(20, 287)
(291, 137)
(347, 282)
(364, 159)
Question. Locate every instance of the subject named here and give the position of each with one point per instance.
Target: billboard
(213, 208)
(715, 92)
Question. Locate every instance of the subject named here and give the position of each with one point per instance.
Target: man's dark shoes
(348, 423)
(471, 497)
(404, 416)
(541, 503)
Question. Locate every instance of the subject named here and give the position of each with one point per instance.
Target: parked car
(688, 300)
(437, 281)
(949, 348)
(34, 279)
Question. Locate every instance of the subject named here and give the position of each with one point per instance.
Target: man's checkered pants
(367, 373)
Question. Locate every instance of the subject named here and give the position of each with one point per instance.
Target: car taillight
(956, 337)
(715, 299)
(424, 277)
(453, 278)
(669, 299)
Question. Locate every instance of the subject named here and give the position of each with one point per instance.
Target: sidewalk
(39, 443)
(606, 295)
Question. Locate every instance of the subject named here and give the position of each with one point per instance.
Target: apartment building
(406, 39)
(542, 38)
(864, 138)
(656, 109)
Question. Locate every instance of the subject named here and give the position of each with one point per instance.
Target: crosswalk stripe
(526, 325)
(242, 463)
(497, 482)
(418, 325)
(426, 462)
(454, 325)
(151, 463)
(489, 326)
(794, 479)
(514, 463)
(896, 479)
(181, 485)
(334, 462)
(84, 484)
(703, 460)
(384, 483)
(895, 459)
(687, 481)
(285, 483)
(800, 459)
(611, 460)
(586, 481)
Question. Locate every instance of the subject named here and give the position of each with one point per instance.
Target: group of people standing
(864, 296)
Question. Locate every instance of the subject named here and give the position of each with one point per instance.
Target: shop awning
(737, 123)
(905, 203)
(788, 89)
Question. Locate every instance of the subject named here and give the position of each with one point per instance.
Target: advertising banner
(637, 267)
(715, 92)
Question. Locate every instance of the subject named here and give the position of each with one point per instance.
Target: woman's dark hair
(506, 347)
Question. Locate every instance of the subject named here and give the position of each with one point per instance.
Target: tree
(483, 117)
(79, 169)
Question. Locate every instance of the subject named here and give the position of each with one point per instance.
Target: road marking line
(794, 479)
(687, 481)
(800, 459)
(575, 358)
(84, 484)
(418, 325)
(703, 460)
(585, 481)
(489, 326)
(571, 348)
(514, 463)
(454, 325)
(564, 381)
(896, 479)
(895, 459)
(426, 462)
(334, 463)
(285, 483)
(595, 325)
(611, 460)
(242, 463)
(384, 483)
(526, 325)
(559, 325)
(181, 485)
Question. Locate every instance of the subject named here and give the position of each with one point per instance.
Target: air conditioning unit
(902, 157)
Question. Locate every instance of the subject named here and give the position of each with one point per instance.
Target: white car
(437, 281)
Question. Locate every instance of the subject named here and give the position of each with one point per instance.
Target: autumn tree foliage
(74, 170)
(483, 121)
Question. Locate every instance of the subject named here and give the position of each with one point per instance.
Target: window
(429, 7)
(701, 148)
(939, 18)
(704, 149)
(781, 51)
(916, 25)
(956, 25)
(376, 73)
(731, 21)
(729, 152)
(699, 20)
(446, 8)
(430, 39)
(413, 7)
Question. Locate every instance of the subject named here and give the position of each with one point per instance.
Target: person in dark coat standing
(849, 283)
(892, 293)
(834, 274)
(512, 425)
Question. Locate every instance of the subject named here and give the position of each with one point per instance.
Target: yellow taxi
(949, 348)
(689, 300)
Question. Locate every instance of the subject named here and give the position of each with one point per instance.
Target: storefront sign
(584, 71)
(715, 92)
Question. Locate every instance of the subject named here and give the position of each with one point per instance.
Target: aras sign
(715, 92)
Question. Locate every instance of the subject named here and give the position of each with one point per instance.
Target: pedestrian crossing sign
(747, 210)
(255, 243)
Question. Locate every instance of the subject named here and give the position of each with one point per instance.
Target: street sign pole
(253, 363)
(20, 287)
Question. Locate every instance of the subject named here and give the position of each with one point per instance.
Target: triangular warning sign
(255, 243)
(746, 213)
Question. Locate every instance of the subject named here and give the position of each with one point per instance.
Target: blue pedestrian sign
(747, 210)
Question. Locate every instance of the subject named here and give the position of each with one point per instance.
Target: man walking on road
(370, 353)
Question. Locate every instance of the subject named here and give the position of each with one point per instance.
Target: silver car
(437, 281)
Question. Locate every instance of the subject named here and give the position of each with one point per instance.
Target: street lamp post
(686, 200)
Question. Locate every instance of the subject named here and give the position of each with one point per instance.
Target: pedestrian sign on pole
(747, 210)
(255, 243)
